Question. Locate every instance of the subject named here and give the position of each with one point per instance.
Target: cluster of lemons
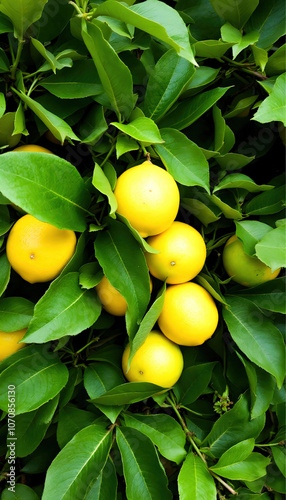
(148, 197)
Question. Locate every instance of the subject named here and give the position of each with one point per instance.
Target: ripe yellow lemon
(9, 342)
(112, 301)
(158, 361)
(182, 253)
(148, 197)
(33, 147)
(245, 270)
(37, 250)
(189, 315)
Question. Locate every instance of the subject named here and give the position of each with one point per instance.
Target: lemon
(37, 250)
(182, 253)
(189, 315)
(158, 361)
(33, 147)
(245, 270)
(112, 301)
(9, 342)
(148, 197)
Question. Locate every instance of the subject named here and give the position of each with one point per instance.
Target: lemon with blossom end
(148, 197)
(242, 268)
(189, 315)
(182, 253)
(33, 148)
(39, 251)
(158, 361)
(9, 342)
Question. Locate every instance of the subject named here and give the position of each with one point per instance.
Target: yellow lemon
(182, 253)
(33, 147)
(245, 270)
(148, 197)
(189, 315)
(37, 250)
(112, 301)
(9, 342)
(158, 361)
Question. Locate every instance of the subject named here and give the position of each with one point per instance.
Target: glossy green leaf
(113, 73)
(256, 336)
(71, 420)
(124, 265)
(15, 313)
(269, 20)
(4, 64)
(271, 249)
(195, 481)
(260, 56)
(269, 295)
(59, 128)
(242, 105)
(144, 475)
(267, 203)
(250, 469)
(65, 309)
(171, 74)
(128, 393)
(183, 159)
(22, 13)
(279, 457)
(32, 427)
(193, 382)
(233, 427)
(237, 12)
(276, 62)
(233, 161)
(227, 205)
(100, 181)
(233, 181)
(206, 211)
(37, 378)
(80, 463)
(5, 270)
(124, 144)
(248, 39)
(100, 378)
(211, 48)
(147, 324)
(7, 127)
(90, 275)
(236, 453)
(163, 431)
(203, 76)
(189, 110)
(105, 485)
(5, 24)
(21, 492)
(250, 232)
(36, 182)
(274, 106)
(157, 19)
(5, 223)
(142, 129)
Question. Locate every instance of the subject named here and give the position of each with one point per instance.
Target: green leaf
(203, 76)
(7, 127)
(124, 144)
(5, 223)
(235, 454)
(37, 378)
(211, 286)
(241, 181)
(276, 63)
(15, 313)
(100, 182)
(170, 76)
(4, 65)
(5, 24)
(157, 19)
(189, 110)
(142, 129)
(279, 456)
(21, 492)
(71, 420)
(274, 106)
(260, 56)
(128, 393)
(32, 427)
(248, 39)
(183, 159)
(250, 232)
(147, 324)
(193, 382)
(269, 20)
(194, 480)
(233, 427)
(5, 270)
(203, 209)
(37, 182)
(59, 128)
(211, 48)
(237, 12)
(163, 431)
(124, 265)
(80, 463)
(262, 386)
(241, 106)
(242, 318)
(143, 243)
(22, 13)
(230, 34)
(271, 249)
(100, 378)
(90, 275)
(250, 469)
(269, 295)
(105, 485)
(267, 203)
(233, 161)
(93, 125)
(80, 81)
(113, 73)
(228, 205)
(144, 475)
(65, 309)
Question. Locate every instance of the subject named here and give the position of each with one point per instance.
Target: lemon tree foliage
(197, 89)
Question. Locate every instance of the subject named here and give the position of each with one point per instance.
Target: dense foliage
(200, 86)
